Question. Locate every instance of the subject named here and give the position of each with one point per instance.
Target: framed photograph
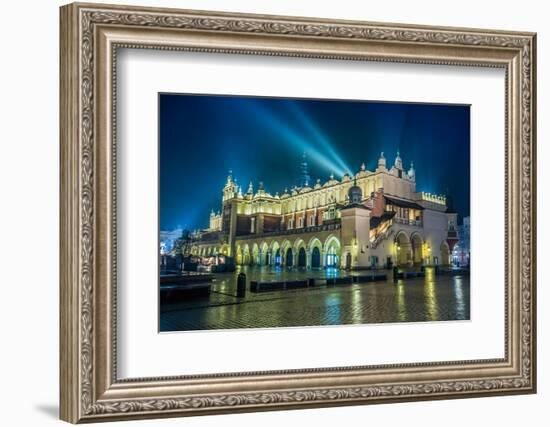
(265, 212)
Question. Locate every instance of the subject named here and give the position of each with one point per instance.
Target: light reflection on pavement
(429, 298)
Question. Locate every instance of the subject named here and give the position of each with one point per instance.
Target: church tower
(398, 164)
(228, 218)
(355, 229)
(230, 188)
(304, 177)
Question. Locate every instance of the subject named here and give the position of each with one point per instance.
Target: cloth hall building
(373, 219)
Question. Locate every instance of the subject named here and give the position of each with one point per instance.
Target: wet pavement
(429, 298)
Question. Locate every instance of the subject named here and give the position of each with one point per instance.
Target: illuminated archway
(284, 253)
(402, 249)
(445, 253)
(300, 253)
(264, 254)
(238, 255)
(246, 254)
(275, 253)
(416, 246)
(332, 252)
(302, 261)
(289, 257)
(315, 257)
(315, 248)
(255, 254)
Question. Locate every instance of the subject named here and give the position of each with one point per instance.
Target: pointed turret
(229, 178)
(411, 172)
(317, 184)
(261, 190)
(381, 161)
(398, 164)
(230, 188)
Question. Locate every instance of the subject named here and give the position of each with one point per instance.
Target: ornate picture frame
(90, 37)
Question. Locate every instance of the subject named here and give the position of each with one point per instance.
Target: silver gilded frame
(90, 37)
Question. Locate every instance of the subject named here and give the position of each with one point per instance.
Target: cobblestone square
(442, 297)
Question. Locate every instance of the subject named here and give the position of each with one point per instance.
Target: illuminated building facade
(373, 219)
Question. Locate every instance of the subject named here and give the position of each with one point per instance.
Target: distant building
(167, 239)
(371, 219)
(461, 251)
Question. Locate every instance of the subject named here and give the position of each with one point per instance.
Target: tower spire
(398, 162)
(382, 161)
(305, 178)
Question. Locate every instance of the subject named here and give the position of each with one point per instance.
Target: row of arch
(412, 250)
(298, 253)
(315, 253)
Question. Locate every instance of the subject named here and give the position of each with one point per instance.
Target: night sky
(202, 137)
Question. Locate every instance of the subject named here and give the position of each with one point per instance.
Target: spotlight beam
(318, 135)
(296, 139)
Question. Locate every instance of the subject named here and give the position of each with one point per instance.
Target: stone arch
(316, 257)
(246, 254)
(332, 250)
(315, 249)
(300, 253)
(289, 257)
(285, 253)
(238, 255)
(276, 256)
(255, 254)
(445, 253)
(416, 247)
(299, 243)
(302, 257)
(402, 248)
(264, 254)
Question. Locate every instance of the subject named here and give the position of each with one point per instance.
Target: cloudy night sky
(202, 137)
